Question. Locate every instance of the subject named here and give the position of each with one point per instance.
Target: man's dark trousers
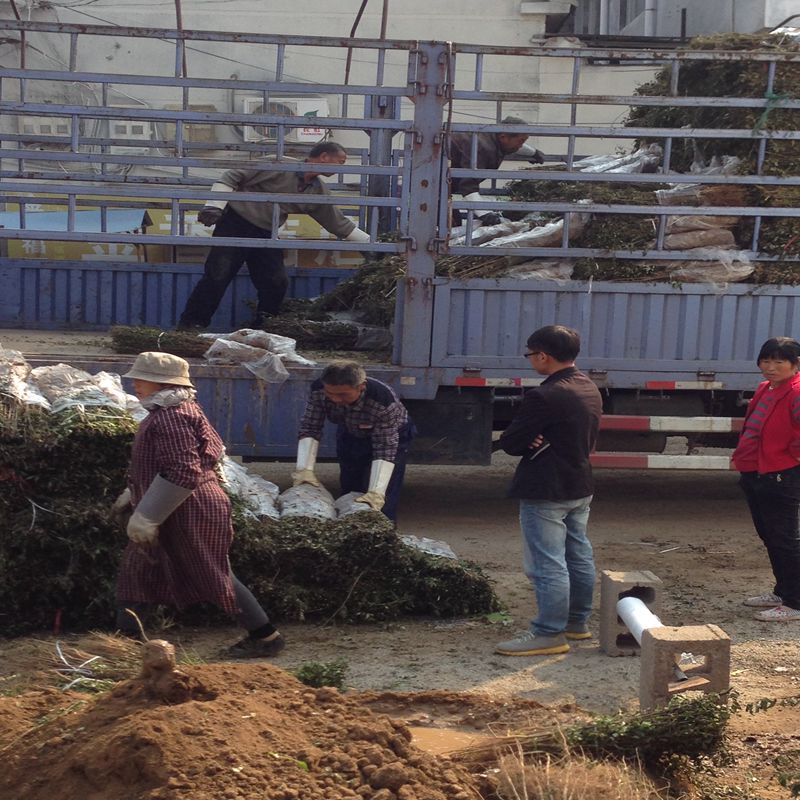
(264, 265)
(355, 464)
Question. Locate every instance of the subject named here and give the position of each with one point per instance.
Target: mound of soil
(249, 731)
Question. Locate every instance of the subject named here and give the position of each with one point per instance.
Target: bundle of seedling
(689, 729)
(59, 550)
(135, 339)
(745, 79)
(353, 569)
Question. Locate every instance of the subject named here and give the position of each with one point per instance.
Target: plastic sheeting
(306, 500)
(719, 267)
(645, 159)
(346, 504)
(260, 352)
(259, 495)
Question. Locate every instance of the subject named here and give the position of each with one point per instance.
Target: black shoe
(257, 648)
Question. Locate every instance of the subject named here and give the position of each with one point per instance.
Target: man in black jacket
(554, 432)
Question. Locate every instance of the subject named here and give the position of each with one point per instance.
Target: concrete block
(615, 638)
(661, 653)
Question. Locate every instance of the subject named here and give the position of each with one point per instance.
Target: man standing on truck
(254, 220)
(492, 148)
(554, 432)
(372, 436)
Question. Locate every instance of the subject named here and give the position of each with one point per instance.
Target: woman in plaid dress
(180, 530)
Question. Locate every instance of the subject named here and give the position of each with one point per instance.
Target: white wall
(494, 22)
(713, 16)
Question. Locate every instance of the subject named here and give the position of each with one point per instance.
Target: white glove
(120, 510)
(122, 503)
(142, 530)
(307, 449)
(357, 235)
(219, 187)
(476, 197)
(379, 476)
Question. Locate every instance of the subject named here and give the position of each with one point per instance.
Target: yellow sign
(298, 226)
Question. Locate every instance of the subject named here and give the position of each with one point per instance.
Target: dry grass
(91, 662)
(573, 778)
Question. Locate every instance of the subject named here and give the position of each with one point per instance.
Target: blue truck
(668, 357)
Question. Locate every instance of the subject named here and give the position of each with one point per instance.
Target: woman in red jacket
(768, 458)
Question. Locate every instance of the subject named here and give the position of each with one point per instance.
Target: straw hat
(160, 368)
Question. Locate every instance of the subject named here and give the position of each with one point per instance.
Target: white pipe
(637, 617)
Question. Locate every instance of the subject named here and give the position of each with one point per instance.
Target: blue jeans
(558, 560)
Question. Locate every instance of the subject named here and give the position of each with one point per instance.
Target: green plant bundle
(725, 78)
(604, 192)
(323, 673)
(72, 454)
(689, 726)
(139, 339)
(314, 334)
(58, 565)
(372, 291)
(688, 729)
(354, 569)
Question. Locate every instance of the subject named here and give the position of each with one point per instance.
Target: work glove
(121, 510)
(305, 476)
(379, 476)
(374, 500)
(491, 218)
(537, 157)
(357, 235)
(209, 215)
(307, 449)
(142, 530)
(157, 503)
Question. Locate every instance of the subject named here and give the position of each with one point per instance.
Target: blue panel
(91, 295)
(660, 330)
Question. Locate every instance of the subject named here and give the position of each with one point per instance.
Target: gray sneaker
(768, 600)
(577, 630)
(529, 644)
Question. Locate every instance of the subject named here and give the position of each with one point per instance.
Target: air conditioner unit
(309, 107)
(35, 127)
(123, 131)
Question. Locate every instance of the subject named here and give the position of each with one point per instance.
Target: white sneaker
(778, 614)
(763, 601)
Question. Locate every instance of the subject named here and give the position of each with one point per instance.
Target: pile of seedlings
(59, 474)
(135, 339)
(688, 730)
(59, 549)
(724, 78)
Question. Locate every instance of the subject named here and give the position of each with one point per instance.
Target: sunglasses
(534, 353)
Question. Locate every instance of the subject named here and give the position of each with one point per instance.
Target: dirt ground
(691, 529)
